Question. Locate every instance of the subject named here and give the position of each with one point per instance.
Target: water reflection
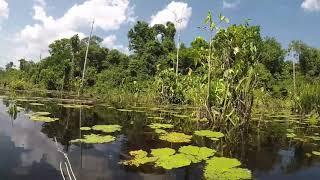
(28, 150)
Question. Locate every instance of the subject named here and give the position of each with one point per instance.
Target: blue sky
(26, 28)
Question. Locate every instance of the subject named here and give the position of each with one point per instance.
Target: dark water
(28, 150)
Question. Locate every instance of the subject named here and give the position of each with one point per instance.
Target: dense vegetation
(226, 76)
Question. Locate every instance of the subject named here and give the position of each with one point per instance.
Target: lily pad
(76, 106)
(291, 135)
(160, 126)
(41, 114)
(43, 118)
(85, 128)
(197, 154)
(36, 104)
(160, 131)
(213, 135)
(125, 110)
(174, 161)
(95, 139)
(317, 153)
(107, 128)
(140, 158)
(175, 137)
(221, 168)
(162, 152)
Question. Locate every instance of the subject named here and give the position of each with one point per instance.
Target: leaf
(107, 128)
(174, 161)
(162, 152)
(175, 137)
(197, 154)
(95, 139)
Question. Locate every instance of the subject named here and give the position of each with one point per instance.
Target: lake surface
(28, 150)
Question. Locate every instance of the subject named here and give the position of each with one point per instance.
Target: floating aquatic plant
(317, 153)
(213, 135)
(43, 118)
(85, 128)
(107, 128)
(125, 110)
(75, 106)
(175, 137)
(36, 104)
(95, 139)
(160, 131)
(197, 154)
(174, 161)
(155, 118)
(41, 114)
(140, 158)
(291, 135)
(160, 126)
(162, 152)
(221, 168)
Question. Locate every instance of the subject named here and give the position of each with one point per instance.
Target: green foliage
(317, 153)
(221, 168)
(196, 154)
(85, 128)
(160, 126)
(140, 158)
(175, 137)
(209, 134)
(107, 128)
(43, 118)
(172, 162)
(95, 139)
(162, 152)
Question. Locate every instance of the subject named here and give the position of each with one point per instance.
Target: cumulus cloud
(231, 5)
(4, 10)
(108, 15)
(178, 13)
(110, 42)
(311, 5)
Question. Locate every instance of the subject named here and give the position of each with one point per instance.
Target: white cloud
(4, 9)
(110, 42)
(40, 2)
(108, 14)
(231, 5)
(174, 12)
(311, 5)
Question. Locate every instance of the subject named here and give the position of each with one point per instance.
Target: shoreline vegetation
(228, 75)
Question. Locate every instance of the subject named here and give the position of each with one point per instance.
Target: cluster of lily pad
(167, 158)
(42, 117)
(98, 138)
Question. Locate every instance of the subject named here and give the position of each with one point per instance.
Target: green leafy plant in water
(160, 126)
(36, 104)
(313, 119)
(209, 134)
(221, 168)
(95, 139)
(197, 154)
(174, 161)
(175, 137)
(125, 110)
(140, 158)
(291, 135)
(85, 128)
(162, 152)
(107, 128)
(160, 131)
(317, 153)
(43, 118)
(41, 114)
(75, 106)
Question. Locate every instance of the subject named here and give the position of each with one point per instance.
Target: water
(28, 150)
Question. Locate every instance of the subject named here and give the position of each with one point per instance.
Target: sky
(27, 27)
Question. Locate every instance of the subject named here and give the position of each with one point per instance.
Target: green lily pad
(197, 154)
(125, 110)
(76, 106)
(174, 161)
(95, 139)
(162, 152)
(291, 135)
(209, 134)
(221, 168)
(43, 118)
(175, 137)
(85, 128)
(160, 126)
(160, 131)
(140, 158)
(36, 104)
(107, 128)
(317, 153)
